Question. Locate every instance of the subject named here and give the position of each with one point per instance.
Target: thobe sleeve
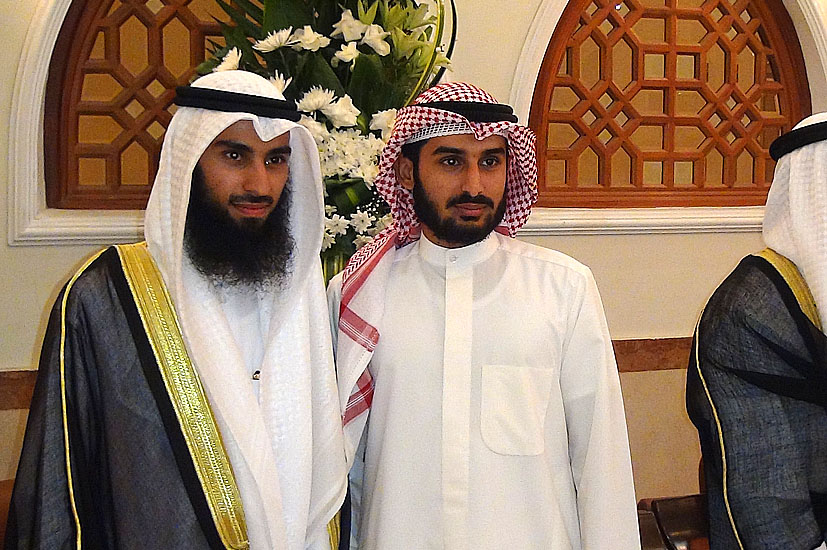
(759, 497)
(598, 443)
(43, 512)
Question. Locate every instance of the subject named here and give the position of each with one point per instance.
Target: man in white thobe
(476, 370)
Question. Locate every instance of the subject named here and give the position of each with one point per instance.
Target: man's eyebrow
(448, 150)
(232, 144)
(283, 150)
(442, 150)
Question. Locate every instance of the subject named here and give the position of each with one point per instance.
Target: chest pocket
(513, 408)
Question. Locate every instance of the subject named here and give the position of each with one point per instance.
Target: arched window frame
(30, 222)
(810, 21)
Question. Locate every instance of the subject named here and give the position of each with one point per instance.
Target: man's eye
(278, 159)
(450, 161)
(232, 155)
(492, 161)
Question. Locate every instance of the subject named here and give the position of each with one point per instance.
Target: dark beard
(447, 229)
(249, 253)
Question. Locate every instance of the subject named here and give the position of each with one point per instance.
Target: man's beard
(447, 229)
(249, 252)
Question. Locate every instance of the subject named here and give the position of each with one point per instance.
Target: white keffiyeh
(795, 221)
(286, 447)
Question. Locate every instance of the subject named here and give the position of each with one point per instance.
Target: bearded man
(476, 369)
(186, 395)
(756, 388)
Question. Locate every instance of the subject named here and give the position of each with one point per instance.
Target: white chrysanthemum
(369, 173)
(329, 209)
(280, 82)
(361, 240)
(327, 240)
(308, 39)
(342, 113)
(349, 27)
(361, 221)
(346, 152)
(348, 52)
(230, 61)
(375, 38)
(383, 121)
(336, 224)
(317, 129)
(315, 99)
(275, 40)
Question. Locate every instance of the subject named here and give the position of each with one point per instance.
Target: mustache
(466, 198)
(250, 198)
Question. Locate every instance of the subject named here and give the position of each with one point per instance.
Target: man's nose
(256, 179)
(472, 180)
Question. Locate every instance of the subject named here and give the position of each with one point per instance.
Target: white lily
(375, 38)
(275, 40)
(349, 27)
(280, 82)
(348, 52)
(315, 99)
(308, 39)
(383, 121)
(230, 61)
(342, 113)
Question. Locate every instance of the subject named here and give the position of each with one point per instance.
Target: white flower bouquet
(349, 66)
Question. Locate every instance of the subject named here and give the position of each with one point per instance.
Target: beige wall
(652, 285)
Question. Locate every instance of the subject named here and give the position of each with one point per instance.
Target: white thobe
(497, 418)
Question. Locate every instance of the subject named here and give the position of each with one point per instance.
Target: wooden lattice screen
(109, 96)
(666, 102)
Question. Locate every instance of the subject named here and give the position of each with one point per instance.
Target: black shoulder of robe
(758, 356)
(133, 482)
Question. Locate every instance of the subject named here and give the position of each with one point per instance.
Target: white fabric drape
(795, 220)
(285, 445)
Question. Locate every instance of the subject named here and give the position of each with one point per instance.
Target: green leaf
(350, 197)
(316, 71)
(251, 9)
(235, 37)
(241, 21)
(369, 88)
(367, 15)
(280, 14)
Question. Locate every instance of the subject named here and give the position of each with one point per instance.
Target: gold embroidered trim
(334, 530)
(795, 281)
(186, 393)
(63, 394)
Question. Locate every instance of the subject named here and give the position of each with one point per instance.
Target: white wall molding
(810, 20)
(30, 222)
(635, 221)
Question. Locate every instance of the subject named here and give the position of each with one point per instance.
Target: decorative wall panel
(666, 102)
(109, 97)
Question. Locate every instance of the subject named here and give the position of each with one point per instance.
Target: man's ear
(404, 169)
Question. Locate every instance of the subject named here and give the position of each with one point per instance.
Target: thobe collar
(465, 256)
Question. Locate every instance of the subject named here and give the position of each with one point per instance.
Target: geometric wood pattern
(666, 102)
(109, 96)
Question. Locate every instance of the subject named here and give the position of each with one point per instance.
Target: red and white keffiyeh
(358, 336)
